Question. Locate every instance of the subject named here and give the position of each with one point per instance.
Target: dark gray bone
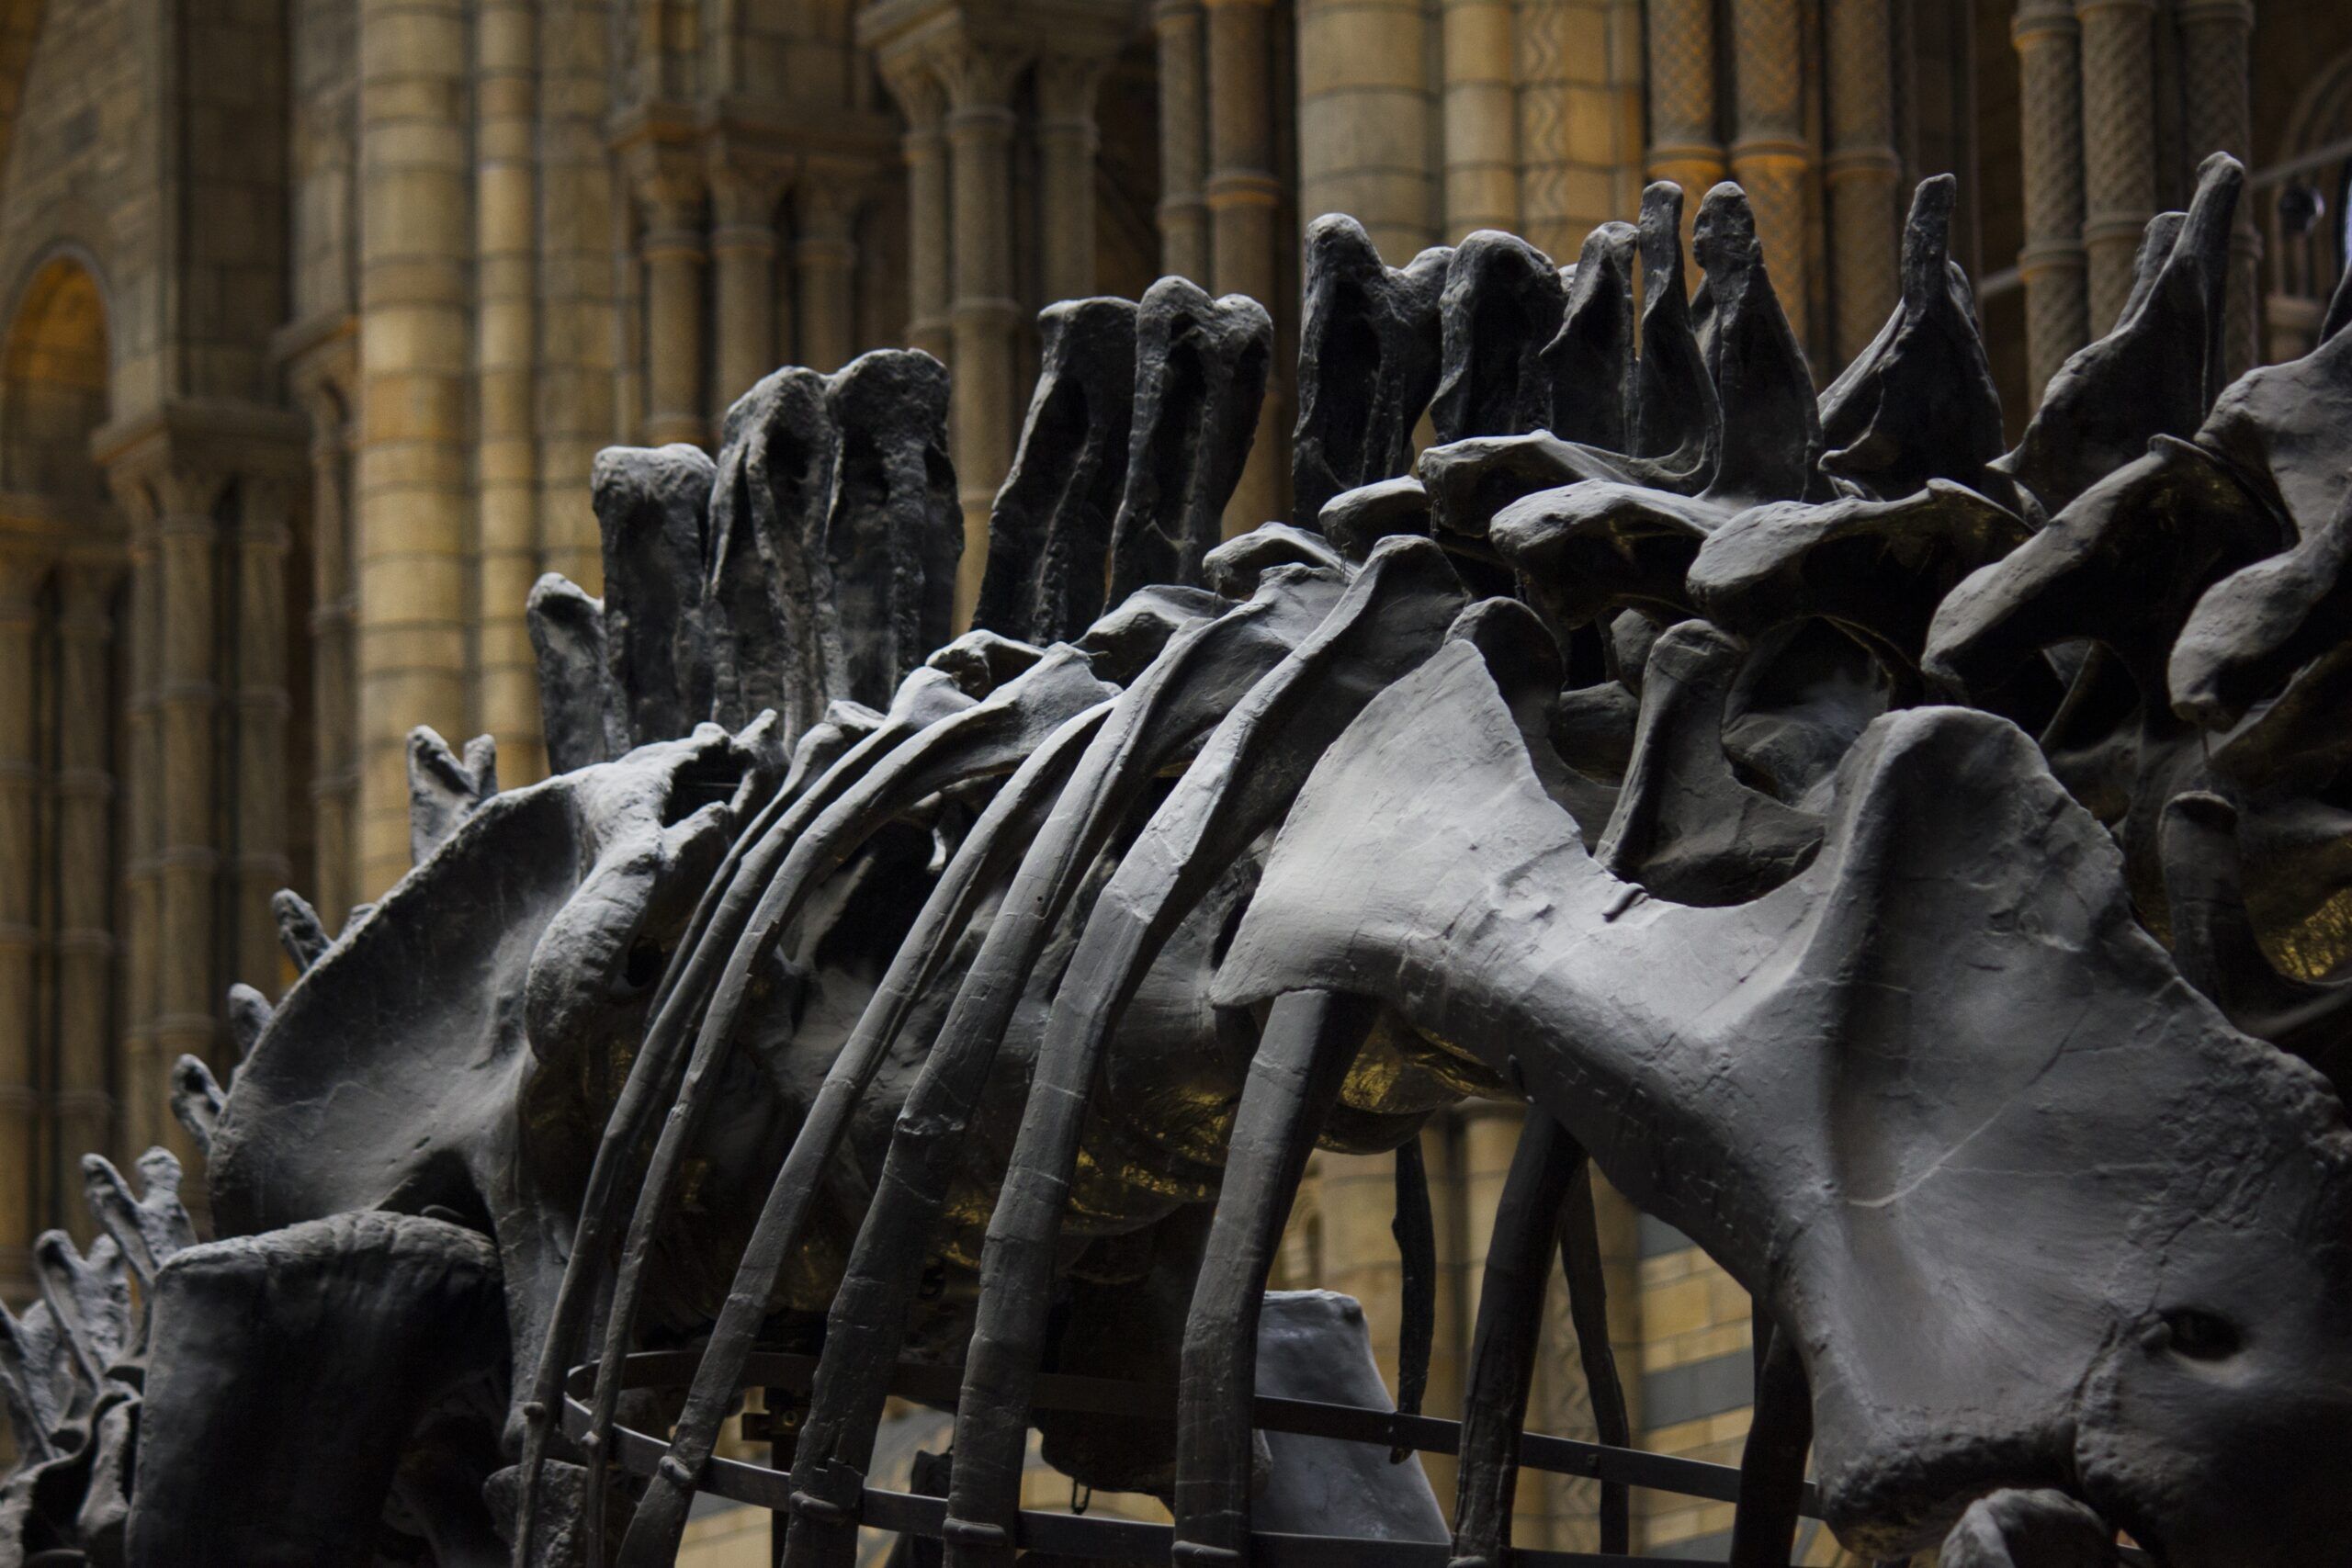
(1590, 362)
(1502, 307)
(577, 710)
(651, 507)
(1369, 352)
(1049, 534)
(1201, 372)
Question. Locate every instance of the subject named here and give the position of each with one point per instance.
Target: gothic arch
(53, 381)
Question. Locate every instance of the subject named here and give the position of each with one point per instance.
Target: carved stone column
(674, 253)
(84, 791)
(1066, 143)
(506, 219)
(742, 254)
(1242, 193)
(1183, 140)
(20, 856)
(1684, 146)
(258, 707)
(1364, 117)
(334, 757)
(2051, 264)
(1481, 113)
(578, 346)
(924, 99)
(415, 501)
(2217, 81)
(1770, 155)
(1862, 171)
(983, 313)
(824, 258)
(2118, 145)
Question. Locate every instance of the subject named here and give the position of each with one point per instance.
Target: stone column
(923, 100)
(20, 858)
(577, 313)
(1481, 119)
(2051, 264)
(1364, 119)
(2217, 81)
(414, 504)
(1683, 143)
(1183, 140)
(824, 261)
(1768, 151)
(1242, 193)
(187, 702)
(674, 254)
(258, 710)
(983, 312)
(85, 826)
(2118, 145)
(742, 255)
(1067, 142)
(143, 864)
(506, 350)
(334, 757)
(1864, 172)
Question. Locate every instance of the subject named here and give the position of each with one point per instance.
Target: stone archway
(61, 564)
(2305, 207)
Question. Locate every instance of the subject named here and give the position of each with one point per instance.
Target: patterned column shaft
(259, 708)
(1864, 172)
(825, 261)
(84, 787)
(675, 254)
(20, 857)
(335, 759)
(2118, 145)
(1579, 73)
(578, 347)
(2051, 264)
(1364, 118)
(742, 258)
(1067, 140)
(187, 545)
(2216, 38)
(506, 354)
(983, 314)
(1183, 140)
(1242, 196)
(1770, 155)
(415, 502)
(1481, 118)
(924, 103)
(1684, 146)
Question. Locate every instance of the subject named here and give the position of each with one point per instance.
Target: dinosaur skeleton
(1915, 869)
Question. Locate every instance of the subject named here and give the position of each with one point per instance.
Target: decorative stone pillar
(1066, 143)
(983, 313)
(507, 696)
(81, 1096)
(258, 709)
(334, 757)
(1481, 119)
(2119, 145)
(1770, 154)
(2051, 264)
(824, 259)
(1683, 143)
(2218, 86)
(1864, 172)
(674, 251)
(924, 99)
(1364, 119)
(1183, 140)
(142, 863)
(742, 254)
(415, 507)
(1242, 193)
(20, 856)
(578, 356)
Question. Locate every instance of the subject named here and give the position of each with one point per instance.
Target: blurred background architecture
(314, 312)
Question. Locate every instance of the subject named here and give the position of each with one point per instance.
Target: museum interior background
(314, 312)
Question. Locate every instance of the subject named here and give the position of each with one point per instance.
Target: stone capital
(176, 461)
(1066, 88)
